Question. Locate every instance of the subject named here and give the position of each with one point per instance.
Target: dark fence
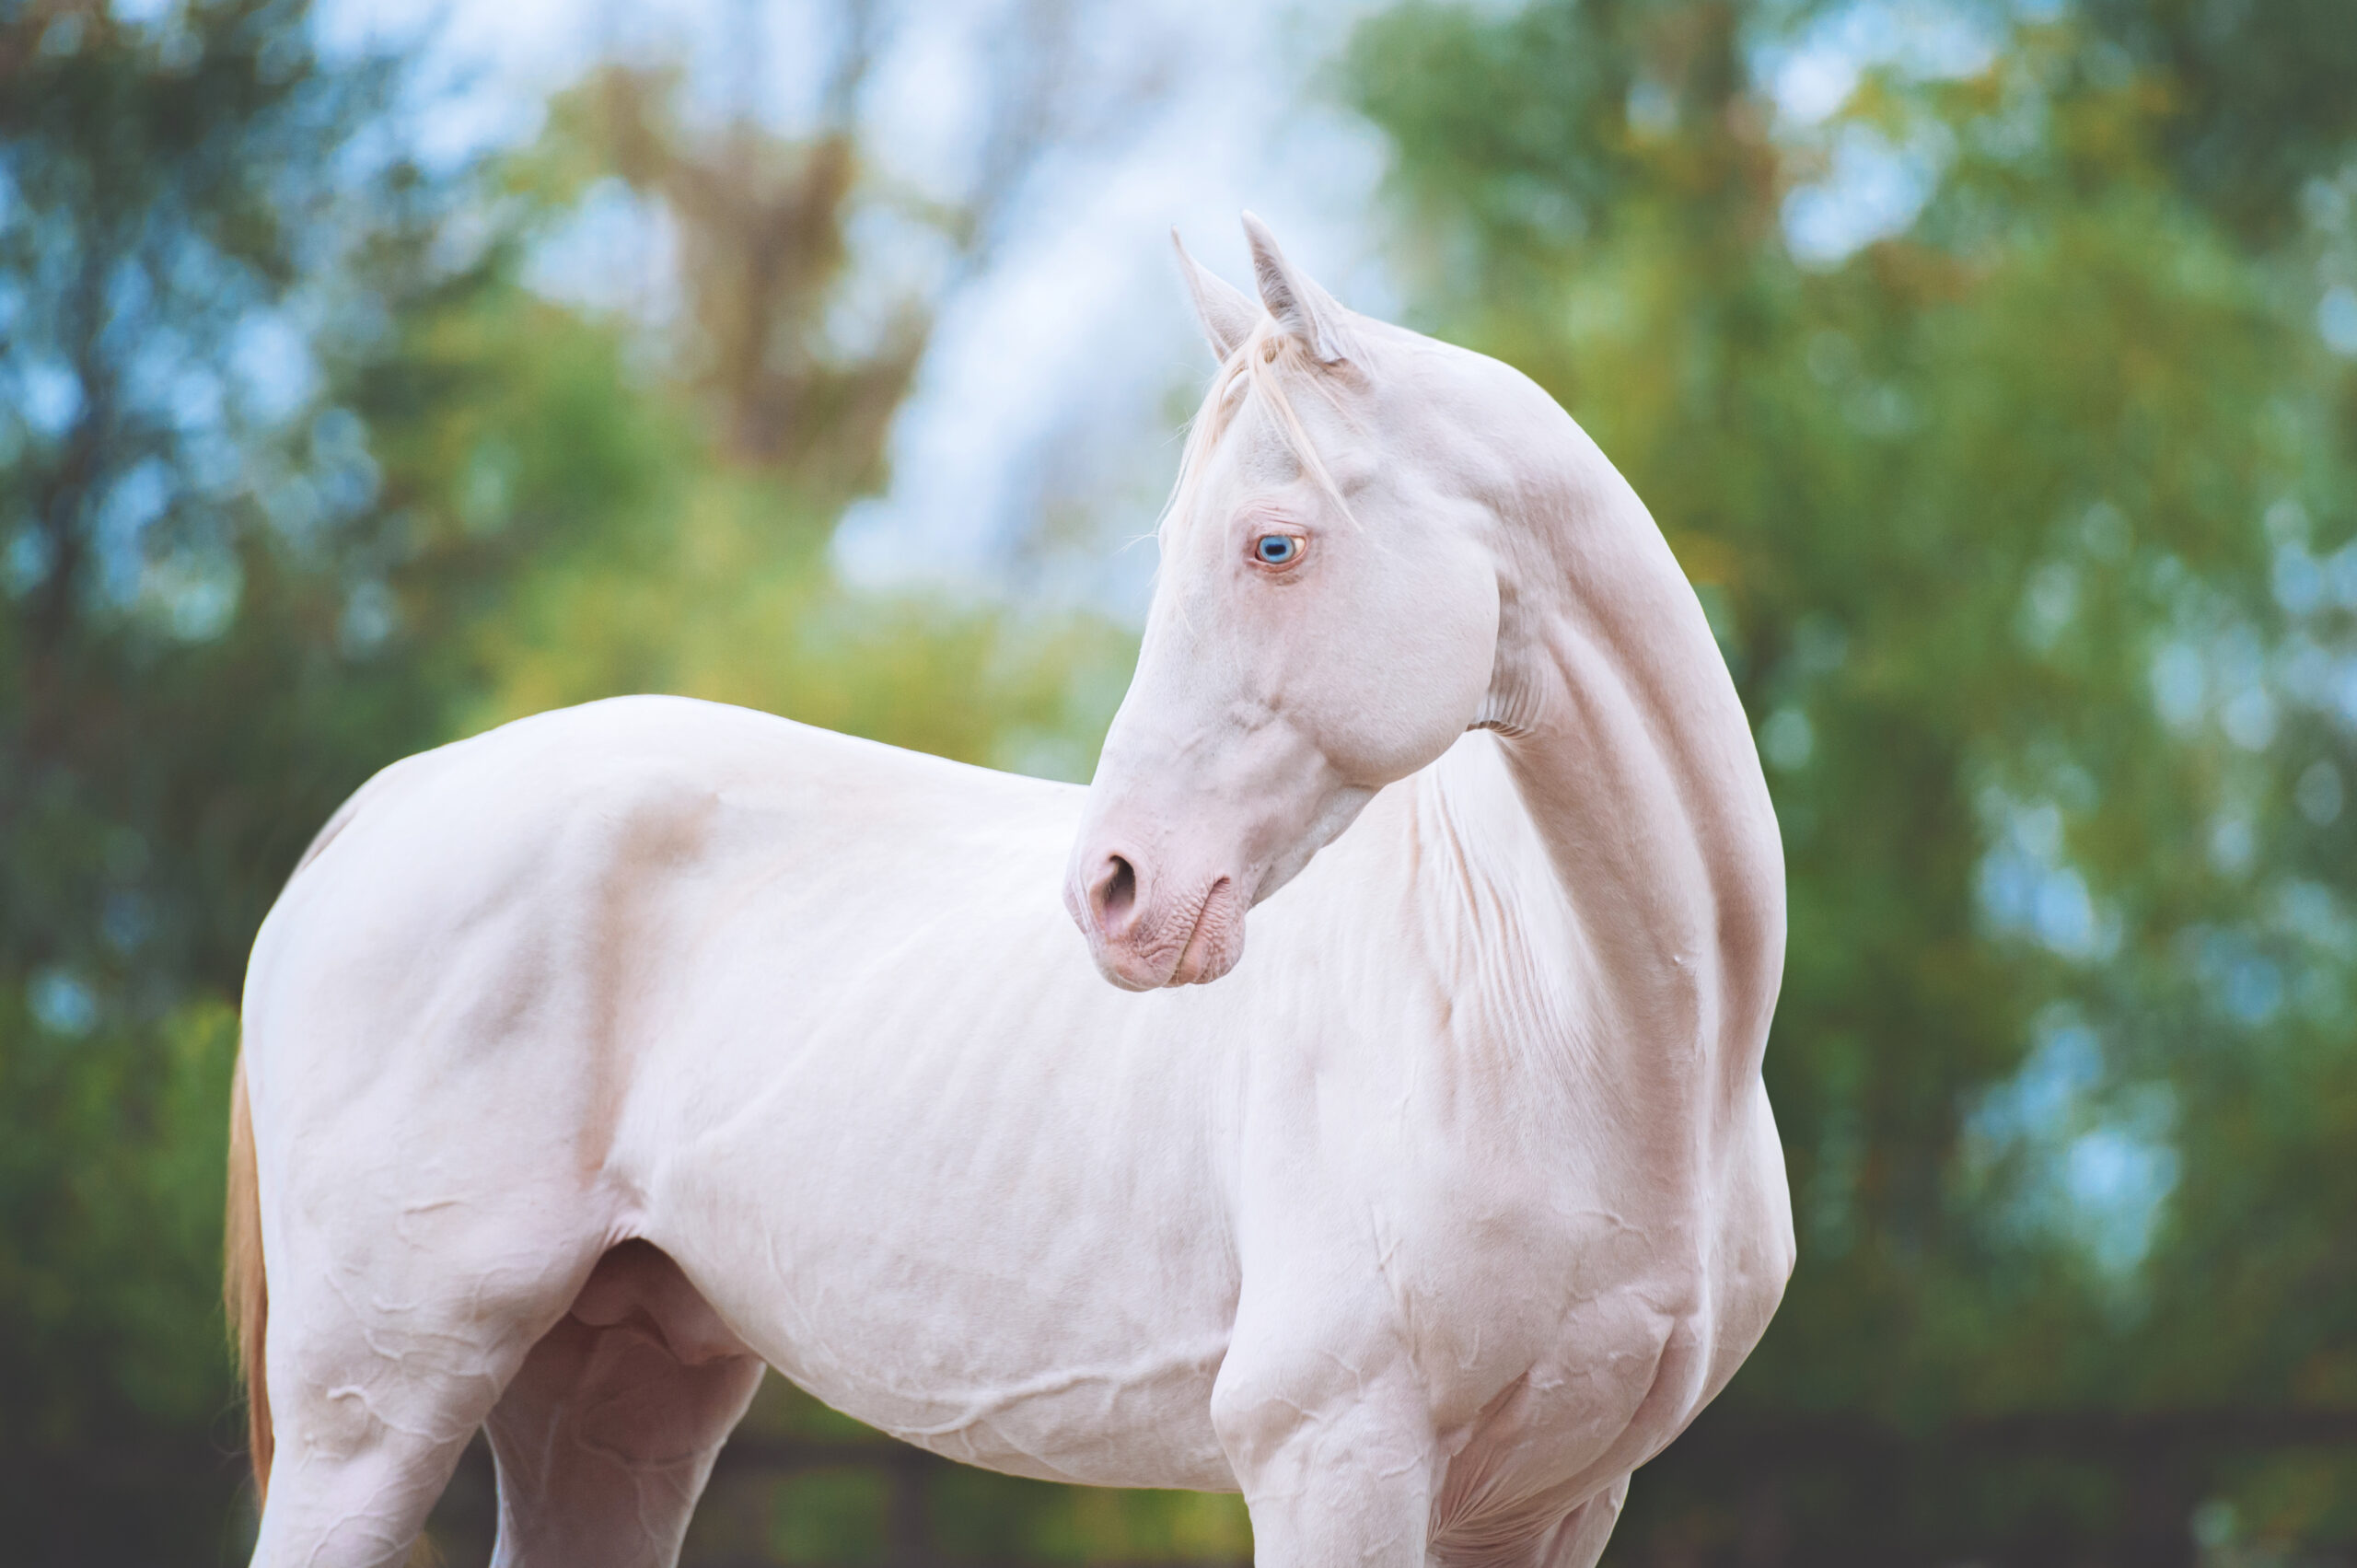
(2049, 1489)
(2064, 1489)
(731, 1523)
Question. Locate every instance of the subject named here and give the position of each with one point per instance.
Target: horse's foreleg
(1578, 1540)
(1334, 1454)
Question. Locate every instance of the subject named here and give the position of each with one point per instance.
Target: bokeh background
(368, 377)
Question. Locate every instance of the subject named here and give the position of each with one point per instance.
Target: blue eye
(1276, 549)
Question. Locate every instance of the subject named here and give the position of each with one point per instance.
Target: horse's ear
(1301, 307)
(1227, 312)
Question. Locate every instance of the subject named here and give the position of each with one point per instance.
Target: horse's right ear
(1305, 312)
(1227, 313)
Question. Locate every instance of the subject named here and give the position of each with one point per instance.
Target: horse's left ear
(1301, 307)
(1227, 312)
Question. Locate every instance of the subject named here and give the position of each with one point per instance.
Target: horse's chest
(1615, 1318)
(1550, 1299)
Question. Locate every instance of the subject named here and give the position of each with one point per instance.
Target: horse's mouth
(1214, 941)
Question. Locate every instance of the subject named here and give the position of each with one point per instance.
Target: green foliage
(2258, 91)
(991, 1518)
(830, 1517)
(110, 1249)
(158, 231)
(2008, 525)
(654, 569)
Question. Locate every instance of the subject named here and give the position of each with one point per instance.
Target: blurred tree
(2026, 527)
(168, 267)
(801, 340)
(194, 233)
(2258, 100)
(795, 339)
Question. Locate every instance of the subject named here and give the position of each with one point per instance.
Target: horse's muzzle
(1142, 937)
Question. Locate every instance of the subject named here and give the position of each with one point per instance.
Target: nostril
(1117, 892)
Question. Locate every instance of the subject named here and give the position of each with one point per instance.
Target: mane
(1262, 364)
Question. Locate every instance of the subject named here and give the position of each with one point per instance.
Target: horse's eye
(1276, 549)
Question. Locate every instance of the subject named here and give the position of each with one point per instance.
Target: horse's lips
(1212, 943)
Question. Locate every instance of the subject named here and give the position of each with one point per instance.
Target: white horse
(592, 1064)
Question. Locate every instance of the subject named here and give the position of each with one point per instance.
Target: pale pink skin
(598, 1061)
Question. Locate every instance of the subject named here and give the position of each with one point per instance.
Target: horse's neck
(1653, 929)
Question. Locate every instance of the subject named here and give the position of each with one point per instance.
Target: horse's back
(536, 773)
(632, 778)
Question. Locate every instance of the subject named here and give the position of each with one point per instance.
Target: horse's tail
(244, 1289)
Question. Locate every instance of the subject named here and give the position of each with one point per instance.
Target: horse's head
(1325, 620)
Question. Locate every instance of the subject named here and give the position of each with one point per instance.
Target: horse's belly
(1102, 1378)
(1139, 1418)
(969, 1219)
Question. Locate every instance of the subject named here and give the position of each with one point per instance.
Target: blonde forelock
(1260, 365)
